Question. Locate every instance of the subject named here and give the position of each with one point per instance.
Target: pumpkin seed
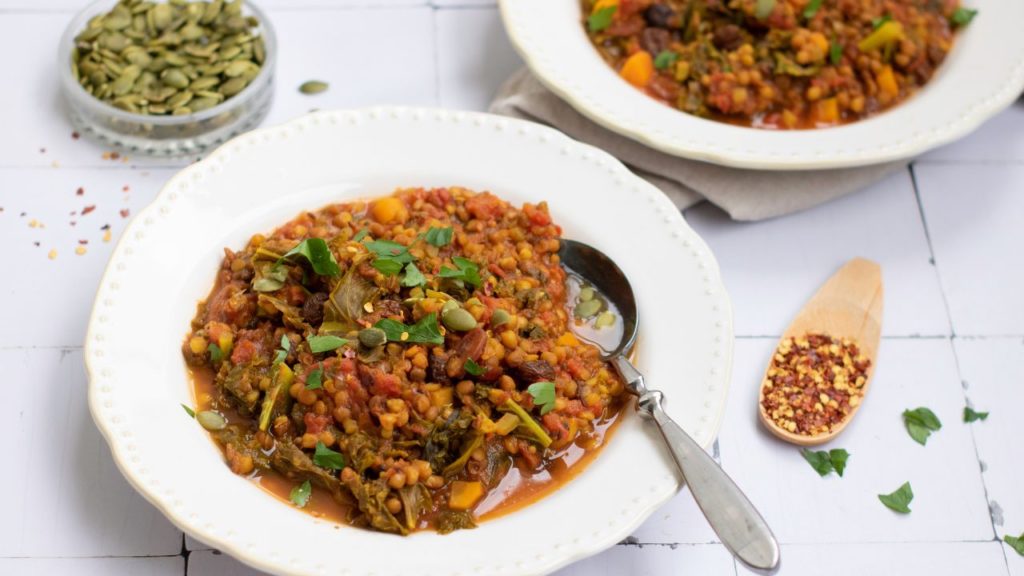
(313, 87)
(459, 320)
(448, 306)
(500, 317)
(604, 319)
(372, 337)
(211, 420)
(170, 57)
(586, 293)
(587, 308)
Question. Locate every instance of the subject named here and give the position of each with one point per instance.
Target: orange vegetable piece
(602, 4)
(389, 210)
(638, 69)
(828, 110)
(887, 82)
(464, 494)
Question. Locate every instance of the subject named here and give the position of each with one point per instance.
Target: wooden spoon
(848, 305)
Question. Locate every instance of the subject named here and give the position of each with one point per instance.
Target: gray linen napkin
(743, 194)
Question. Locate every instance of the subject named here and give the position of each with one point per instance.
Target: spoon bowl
(730, 514)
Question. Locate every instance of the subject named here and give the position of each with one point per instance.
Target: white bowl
(167, 258)
(983, 74)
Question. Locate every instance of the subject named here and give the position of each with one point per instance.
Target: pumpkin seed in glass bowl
(167, 78)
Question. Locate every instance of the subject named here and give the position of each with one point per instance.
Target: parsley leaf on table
(899, 501)
(920, 423)
(970, 415)
(1015, 542)
(824, 461)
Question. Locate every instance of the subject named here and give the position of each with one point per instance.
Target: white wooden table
(948, 233)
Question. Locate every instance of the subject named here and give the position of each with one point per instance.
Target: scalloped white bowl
(166, 260)
(983, 74)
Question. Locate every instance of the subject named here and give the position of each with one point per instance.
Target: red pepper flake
(105, 227)
(88, 209)
(124, 213)
(36, 244)
(83, 242)
(75, 136)
(23, 214)
(80, 191)
(42, 150)
(72, 222)
(125, 188)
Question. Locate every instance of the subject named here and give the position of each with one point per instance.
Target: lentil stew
(403, 364)
(776, 64)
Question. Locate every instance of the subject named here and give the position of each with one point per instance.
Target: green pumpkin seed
(199, 104)
(175, 77)
(211, 420)
(162, 14)
(372, 337)
(448, 306)
(233, 86)
(237, 68)
(179, 99)
(604, 319)
(586, 293)
(313, 87)
(500, 317)
(458, 320)
(587, 308)
(183, 111)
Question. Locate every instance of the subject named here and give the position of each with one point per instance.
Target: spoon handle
(731, 515)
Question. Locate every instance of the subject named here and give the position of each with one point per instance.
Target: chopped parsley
(971, 416)
(216, 354)
(1015, 542)
(899, 501)
(920, 423)
(324, 457)
(271, 279)
(413, 276)
(543, 395)
(472, 368)
(191, 413)
(318, 254)
(426, 331)
(835, 53)
(391, 256)
(360, 235)
(314, 379)
(282, 352)
(825, 461)
(388, 266)
(601, 19)
(466, 270)
(664, 59)
(963, 16)
(300, 494)
(438, 236)
(812, 8)
(318, 344)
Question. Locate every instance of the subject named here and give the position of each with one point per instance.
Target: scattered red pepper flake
(42, 150)
(125, 188)
(75, 135)
(36, 243)
(124, 213)
(83, 242)
(80, 191)
(105, 227)
(88, 209)
(72, 222)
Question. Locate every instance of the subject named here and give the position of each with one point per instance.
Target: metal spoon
(731, 515)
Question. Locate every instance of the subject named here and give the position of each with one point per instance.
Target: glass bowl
(166, 135)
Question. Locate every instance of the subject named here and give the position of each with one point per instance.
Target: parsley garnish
(391, 256)
(360, 235)
(835, 53)
(963, 16)
(413, 276)
(313, 379)
(601, 19)
(664, 59)
(467, 271)
(876, 23)
(324, 457)
(543, 395)
(1015, 542)
(316, 252)
(899, 501)
(472, 368)
(388, 266)
(282, 353)
(216, 354)
(426, 331)
(920, 423)
(971, 416)
(812, 9)
(272, 278)
(318, 344)
(300, 494)
(825, 461)
(438, 236)
(191, 413)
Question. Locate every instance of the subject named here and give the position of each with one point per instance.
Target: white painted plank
(1014, 561)
(75, 5)
(65, 495)
(678, 521)
(474, 57)
(997, 140)
(801, 507)
(974, 216)
(53, 308)
(160, 566)
(771, 268)
(993, 371)
(710, 559)
(913, 559)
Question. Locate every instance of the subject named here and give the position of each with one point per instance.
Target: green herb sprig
(826, 461)
(899, 501)
(920, 423)
(426, 331)
(543, 395)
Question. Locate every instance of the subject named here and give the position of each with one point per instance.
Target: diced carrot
(567, 339)
(464, 494)
(887, 82)
(828, 110)
(638, 69)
